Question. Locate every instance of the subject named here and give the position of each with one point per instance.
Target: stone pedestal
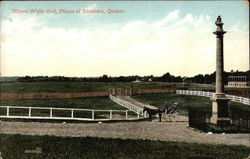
(220, 111)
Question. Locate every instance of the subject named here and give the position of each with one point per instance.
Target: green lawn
(185, 102)
(83, 103)
(37, 87)
(48, 147)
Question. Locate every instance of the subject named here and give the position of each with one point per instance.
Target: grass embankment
(41, 147)
(185, 102)
(38, 87)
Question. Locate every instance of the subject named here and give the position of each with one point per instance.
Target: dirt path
(165, 131)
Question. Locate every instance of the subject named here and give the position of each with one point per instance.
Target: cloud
(179, 44)
(170, 17)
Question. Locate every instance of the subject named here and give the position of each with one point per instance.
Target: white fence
(21, 112)
(138, 110)
(242, 100)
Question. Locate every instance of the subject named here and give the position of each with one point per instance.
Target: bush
(222, 129)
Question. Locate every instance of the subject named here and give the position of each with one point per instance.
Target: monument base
(220, 110)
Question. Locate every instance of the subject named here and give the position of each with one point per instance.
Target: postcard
(124, 79)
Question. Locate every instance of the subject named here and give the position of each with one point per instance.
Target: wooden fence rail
(233, 98)
(22, 112)
(130, 106)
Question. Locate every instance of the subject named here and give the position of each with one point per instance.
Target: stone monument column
(220, 114)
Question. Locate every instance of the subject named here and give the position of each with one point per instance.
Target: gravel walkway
(165, 131)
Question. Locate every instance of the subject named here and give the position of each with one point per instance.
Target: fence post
(72, 113)
(138, 115)
(126, 114)
(93, 114)
(241, 99)
(51, 112)
(29, 111)
(110, 115)
(8, 111)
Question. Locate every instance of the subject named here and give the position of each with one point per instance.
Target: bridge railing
(130, 106)
(22, 112)
(233, 98)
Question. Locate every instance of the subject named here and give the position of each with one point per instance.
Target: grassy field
(29, 87)
(185, 102)
(37, 87)
(48, 147)
(83, 103)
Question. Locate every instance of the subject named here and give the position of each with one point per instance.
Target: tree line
(167, 77)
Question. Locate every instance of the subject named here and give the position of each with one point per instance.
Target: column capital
(219, 31)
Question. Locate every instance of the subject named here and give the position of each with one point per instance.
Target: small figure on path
(160, 112)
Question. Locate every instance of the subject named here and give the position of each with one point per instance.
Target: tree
(104, 78)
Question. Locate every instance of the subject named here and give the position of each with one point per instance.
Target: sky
(144, 38)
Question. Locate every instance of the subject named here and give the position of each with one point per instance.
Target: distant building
(137, 80)
(238, 81)
(150, 80)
